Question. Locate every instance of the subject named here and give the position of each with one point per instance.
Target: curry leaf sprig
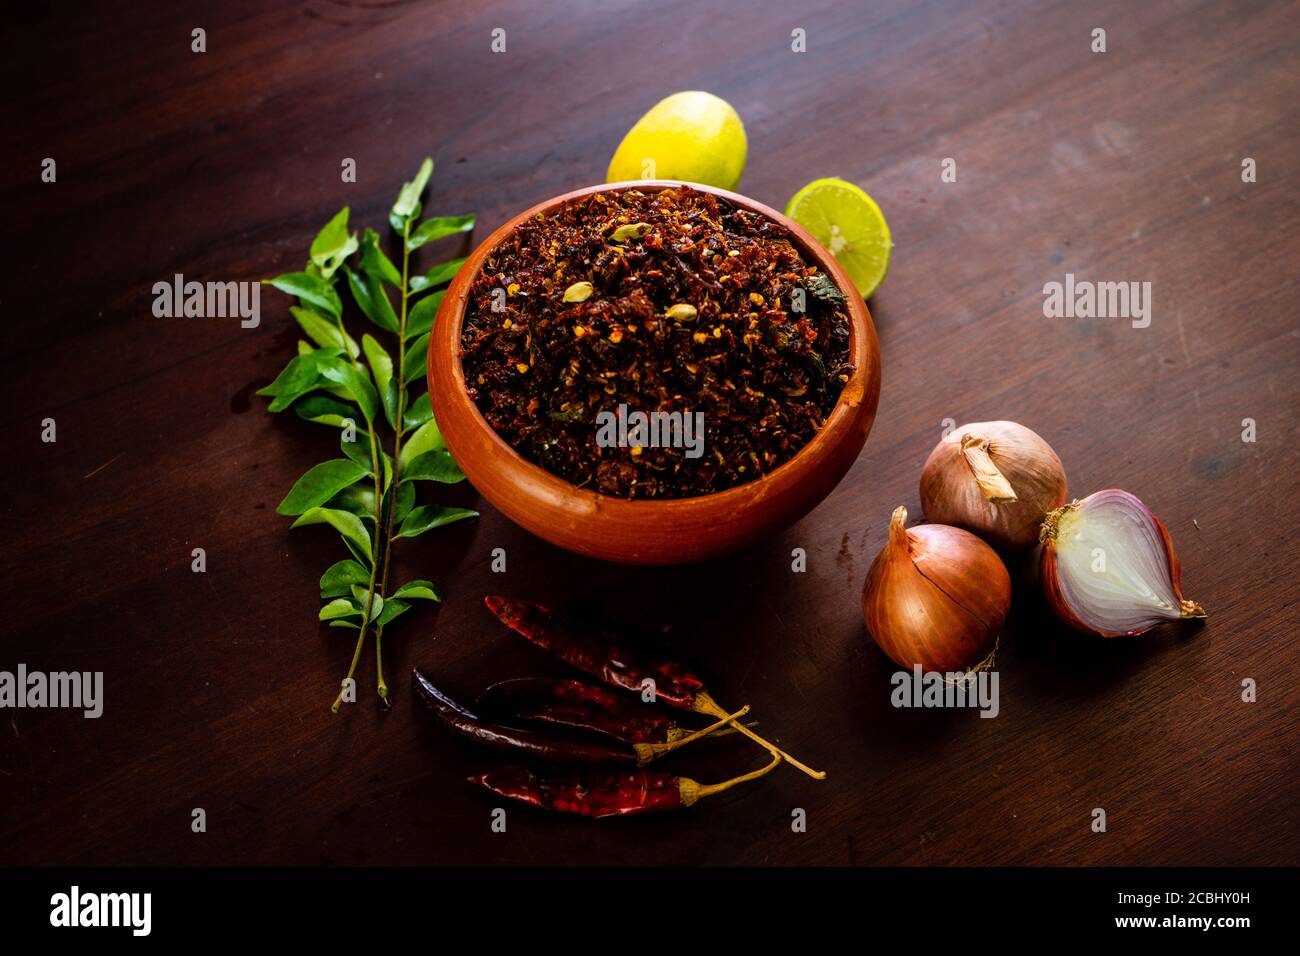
(370, 393)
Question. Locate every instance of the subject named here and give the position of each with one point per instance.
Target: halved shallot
(1109, 567)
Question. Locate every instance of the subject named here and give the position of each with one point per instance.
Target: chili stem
(658, 749)
(731, 730)
(707, 705)
(708, 789)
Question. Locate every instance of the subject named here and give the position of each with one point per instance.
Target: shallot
(936, 596)
(996, 479)
(1108, 566)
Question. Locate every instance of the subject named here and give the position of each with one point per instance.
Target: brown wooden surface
(1122, 166)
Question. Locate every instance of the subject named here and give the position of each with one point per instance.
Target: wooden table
(1114, 166)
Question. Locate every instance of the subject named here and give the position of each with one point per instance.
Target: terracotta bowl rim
(863, 351)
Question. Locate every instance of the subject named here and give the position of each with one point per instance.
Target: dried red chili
(581, 705)
(469, 725)
(599, 653)
(597, 793)
(606, 656)
(670, 302)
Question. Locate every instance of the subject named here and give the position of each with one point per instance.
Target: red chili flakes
(688, 310)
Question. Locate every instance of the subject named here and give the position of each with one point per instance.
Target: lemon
(850, 225)
(692, 136)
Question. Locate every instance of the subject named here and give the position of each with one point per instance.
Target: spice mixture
(665, 302)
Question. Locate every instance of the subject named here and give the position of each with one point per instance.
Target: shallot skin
(935, 596)
(1016, 459)
(1049, 570)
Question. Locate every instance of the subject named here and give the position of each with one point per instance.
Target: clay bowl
(657, 531)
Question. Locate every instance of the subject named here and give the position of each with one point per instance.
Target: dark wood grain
(1117, 166)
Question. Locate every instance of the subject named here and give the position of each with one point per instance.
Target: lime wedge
(850, 225)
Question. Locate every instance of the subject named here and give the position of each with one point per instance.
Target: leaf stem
(377, 466)
(398, 429)
(356, 656)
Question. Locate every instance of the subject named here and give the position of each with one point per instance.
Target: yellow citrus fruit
(850, 225)
(693, 136)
